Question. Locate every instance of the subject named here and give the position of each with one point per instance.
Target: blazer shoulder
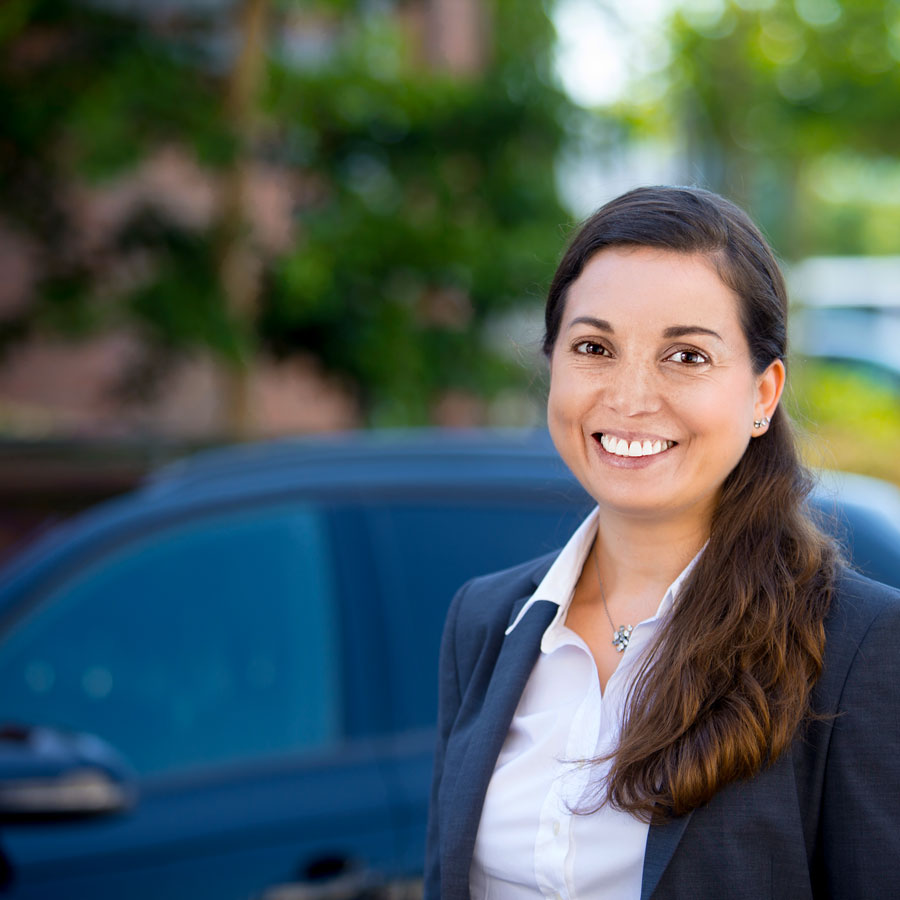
(864, 614)
(491, 599)
(482, 610)
(858, 601)
(851, 773)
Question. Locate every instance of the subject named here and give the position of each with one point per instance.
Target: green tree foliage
(427, 206)
(779, 100)
(437, 211)
(789, 106)
(849, 417)
(87, 96)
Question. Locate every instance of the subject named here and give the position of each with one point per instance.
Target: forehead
(648, 285)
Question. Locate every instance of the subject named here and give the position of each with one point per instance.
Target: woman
(693, 699)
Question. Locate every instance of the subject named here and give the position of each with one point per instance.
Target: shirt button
(556, 832)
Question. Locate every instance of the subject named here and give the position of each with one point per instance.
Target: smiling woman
(676, 704)
(652, 352)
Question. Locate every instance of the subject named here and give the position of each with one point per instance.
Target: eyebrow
(599, 324)
(673, 331)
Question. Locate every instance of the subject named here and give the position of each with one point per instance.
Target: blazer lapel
(661, 843)
(516, 659)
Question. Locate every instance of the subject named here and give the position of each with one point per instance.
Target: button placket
(581, 749)
(553, 847)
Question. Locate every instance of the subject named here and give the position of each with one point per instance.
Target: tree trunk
(239, 259)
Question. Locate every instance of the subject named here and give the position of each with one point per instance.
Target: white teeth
(621, 447)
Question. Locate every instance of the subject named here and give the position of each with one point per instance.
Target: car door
(207, 646)
(427, 546)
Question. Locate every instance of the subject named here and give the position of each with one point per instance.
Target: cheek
(722, 412)
(557, 411)
(565, 413)
(569, 395)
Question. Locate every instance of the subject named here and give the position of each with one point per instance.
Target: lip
(633, 436)
(630, 462)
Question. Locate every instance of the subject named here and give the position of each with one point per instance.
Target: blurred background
(225, 220)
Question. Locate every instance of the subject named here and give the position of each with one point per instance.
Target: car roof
(390, 455)
(365, 466)
(398, 456)
(357, 466)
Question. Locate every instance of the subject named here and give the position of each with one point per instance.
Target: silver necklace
(622, 634)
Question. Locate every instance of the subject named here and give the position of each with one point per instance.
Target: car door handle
(349, 886)
(346, 886)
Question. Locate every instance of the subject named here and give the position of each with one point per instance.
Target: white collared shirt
(529, 843)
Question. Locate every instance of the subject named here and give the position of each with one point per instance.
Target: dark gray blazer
(823, 821)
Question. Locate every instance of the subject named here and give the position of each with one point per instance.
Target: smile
(621, 447)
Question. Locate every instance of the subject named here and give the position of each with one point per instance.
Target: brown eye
(591, 348)
(689, 357)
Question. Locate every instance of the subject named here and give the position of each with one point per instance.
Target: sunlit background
(232, 219)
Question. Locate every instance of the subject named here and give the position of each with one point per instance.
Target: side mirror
(48, 775)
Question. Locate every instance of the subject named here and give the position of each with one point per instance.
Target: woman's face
(651, 359)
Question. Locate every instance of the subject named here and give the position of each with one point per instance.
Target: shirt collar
(558, 585)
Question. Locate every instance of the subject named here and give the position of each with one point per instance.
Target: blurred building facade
(94, 385)
(54, 386)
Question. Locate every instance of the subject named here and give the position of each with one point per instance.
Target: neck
(639, 558)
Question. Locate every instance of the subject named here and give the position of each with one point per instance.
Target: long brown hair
(724, 688)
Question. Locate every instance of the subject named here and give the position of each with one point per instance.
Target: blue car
(223, 685)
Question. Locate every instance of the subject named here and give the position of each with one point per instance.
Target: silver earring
(761, 423)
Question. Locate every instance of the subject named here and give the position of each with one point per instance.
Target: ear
(769, 386)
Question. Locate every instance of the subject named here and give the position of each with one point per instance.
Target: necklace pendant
(621, 637)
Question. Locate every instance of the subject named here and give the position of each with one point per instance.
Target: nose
(631, 388)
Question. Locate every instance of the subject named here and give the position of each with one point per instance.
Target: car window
(426, 550)
(206, 641)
